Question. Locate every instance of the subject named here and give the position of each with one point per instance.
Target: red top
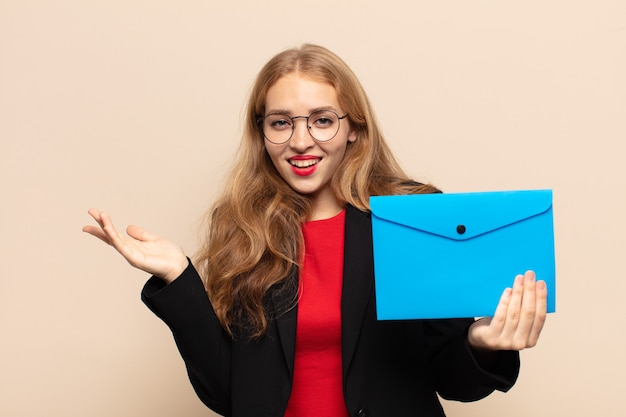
(317, 379)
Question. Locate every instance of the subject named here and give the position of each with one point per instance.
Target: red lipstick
(304, 165)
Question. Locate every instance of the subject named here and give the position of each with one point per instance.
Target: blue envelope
(452, 255)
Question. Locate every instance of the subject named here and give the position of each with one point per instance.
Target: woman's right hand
(150, 253)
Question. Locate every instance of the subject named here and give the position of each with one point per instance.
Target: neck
(325, 206)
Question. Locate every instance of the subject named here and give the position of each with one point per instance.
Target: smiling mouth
(306, 163)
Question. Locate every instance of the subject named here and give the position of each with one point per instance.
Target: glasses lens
(323, 125)
(277, 128)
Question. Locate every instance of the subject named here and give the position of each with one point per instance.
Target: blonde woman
(276, 314)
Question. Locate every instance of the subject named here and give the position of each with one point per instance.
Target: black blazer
(390, 368)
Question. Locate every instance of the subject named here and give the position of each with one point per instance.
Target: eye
(277, 122)
(323, 120)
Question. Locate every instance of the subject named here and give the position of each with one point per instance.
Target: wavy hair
(254, 229)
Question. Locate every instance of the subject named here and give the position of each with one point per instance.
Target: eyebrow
(289, 113)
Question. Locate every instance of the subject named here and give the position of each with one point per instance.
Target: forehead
(300, 93)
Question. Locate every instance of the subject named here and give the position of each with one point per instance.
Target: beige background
(135, 106)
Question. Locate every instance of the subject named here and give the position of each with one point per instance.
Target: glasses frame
(261, 119)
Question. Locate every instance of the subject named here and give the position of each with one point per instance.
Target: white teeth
(303, 163)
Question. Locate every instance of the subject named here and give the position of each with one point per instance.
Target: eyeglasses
(323, 125)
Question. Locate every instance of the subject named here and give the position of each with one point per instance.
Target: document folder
(452, 255)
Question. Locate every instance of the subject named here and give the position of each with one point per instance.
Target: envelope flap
(461, 216)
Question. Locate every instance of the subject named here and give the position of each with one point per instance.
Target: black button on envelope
(452, 255)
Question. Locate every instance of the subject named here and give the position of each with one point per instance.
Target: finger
(114, 236)
(513, 309)
(541, 299)
(97, 232)
(527, 313)
(499, 317)
(95, 213)
(140, 234)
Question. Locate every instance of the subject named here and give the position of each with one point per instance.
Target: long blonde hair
(254, 228)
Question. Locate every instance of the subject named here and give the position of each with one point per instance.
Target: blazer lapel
(286, 316)
(358, 279)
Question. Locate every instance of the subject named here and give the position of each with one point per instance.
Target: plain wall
(135, 107)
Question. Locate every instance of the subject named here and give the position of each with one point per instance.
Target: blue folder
(452, 255)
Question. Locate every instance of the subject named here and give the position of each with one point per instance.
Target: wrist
(176, 271)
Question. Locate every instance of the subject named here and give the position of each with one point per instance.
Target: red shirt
(317, 380)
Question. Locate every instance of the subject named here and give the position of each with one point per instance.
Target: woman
(283, 320)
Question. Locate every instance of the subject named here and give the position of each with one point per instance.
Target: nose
(301, 137)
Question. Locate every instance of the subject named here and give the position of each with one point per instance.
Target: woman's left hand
(518, 320)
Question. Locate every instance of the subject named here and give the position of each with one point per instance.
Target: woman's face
(304, 163)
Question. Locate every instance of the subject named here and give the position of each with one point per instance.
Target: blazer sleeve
(459, 374)
(203, 344)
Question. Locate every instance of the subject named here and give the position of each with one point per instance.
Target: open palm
(143, 250)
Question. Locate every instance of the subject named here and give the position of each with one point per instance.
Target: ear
(353, 135)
